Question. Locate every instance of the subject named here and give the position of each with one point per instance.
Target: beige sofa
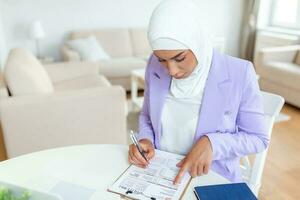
(127, 47)
(279, 71)
(82, 108)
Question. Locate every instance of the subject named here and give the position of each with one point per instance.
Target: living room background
(70, 15)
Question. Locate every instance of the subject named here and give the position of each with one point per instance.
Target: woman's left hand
(197, 161)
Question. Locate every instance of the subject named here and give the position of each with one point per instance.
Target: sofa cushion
(83, 82)
(88, 48)
(120, 67)
(297, 58)
(3, 87)
(25, 75)
(287, 74)
(116, 42)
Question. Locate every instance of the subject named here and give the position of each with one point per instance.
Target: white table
(137, 79)
(91, 166)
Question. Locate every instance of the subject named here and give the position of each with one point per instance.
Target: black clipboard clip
(131, 192)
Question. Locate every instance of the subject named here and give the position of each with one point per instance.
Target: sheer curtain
(249, 29)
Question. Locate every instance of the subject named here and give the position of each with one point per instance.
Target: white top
(91, 168)
(179, 122)
(180, 117)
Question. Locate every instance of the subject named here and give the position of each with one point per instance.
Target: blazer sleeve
(251, 135)
(145, 124)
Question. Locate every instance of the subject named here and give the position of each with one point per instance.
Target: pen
(137, 144)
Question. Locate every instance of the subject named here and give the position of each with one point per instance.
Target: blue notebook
(234, 191)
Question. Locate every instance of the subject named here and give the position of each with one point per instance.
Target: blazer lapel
(213, 102)
(215, 97)
(160, 88)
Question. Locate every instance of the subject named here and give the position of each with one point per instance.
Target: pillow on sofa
(25, 75)
(297, 59)
(88, 49)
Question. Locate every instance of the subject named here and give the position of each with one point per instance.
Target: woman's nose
(173, 70)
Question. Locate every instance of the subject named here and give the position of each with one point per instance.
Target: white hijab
(175, 25)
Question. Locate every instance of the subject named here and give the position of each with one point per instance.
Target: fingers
(200, 170)
(180, 163)
(180, 174)
(203, 169)
(135, 161)
(132, 162)
(150, 153)
(206, 169)
(194, 171)
(147, 147)
(136, 156)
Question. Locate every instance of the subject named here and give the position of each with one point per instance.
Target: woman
(198, 102)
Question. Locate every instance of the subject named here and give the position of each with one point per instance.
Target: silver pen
(137, 144)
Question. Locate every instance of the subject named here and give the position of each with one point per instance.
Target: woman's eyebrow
(177, 55)
(174, 57)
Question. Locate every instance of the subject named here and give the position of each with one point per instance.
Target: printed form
(154, 182)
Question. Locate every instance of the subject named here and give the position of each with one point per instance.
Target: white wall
(59, 17)
(2, 42)
(224, 18)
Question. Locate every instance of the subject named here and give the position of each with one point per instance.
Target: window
(285, 13)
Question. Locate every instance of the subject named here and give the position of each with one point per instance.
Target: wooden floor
(281, 178)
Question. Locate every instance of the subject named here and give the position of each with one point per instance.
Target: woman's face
(179, 63)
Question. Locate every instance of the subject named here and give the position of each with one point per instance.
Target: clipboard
(153, 183)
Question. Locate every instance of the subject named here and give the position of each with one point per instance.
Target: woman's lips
(181, 77)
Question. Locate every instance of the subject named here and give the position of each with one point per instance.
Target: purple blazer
(231, 113)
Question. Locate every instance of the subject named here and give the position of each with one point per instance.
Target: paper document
(155, 182)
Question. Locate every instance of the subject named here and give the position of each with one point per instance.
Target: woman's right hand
(136, 158)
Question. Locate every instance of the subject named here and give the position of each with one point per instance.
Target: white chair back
(252, 174)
